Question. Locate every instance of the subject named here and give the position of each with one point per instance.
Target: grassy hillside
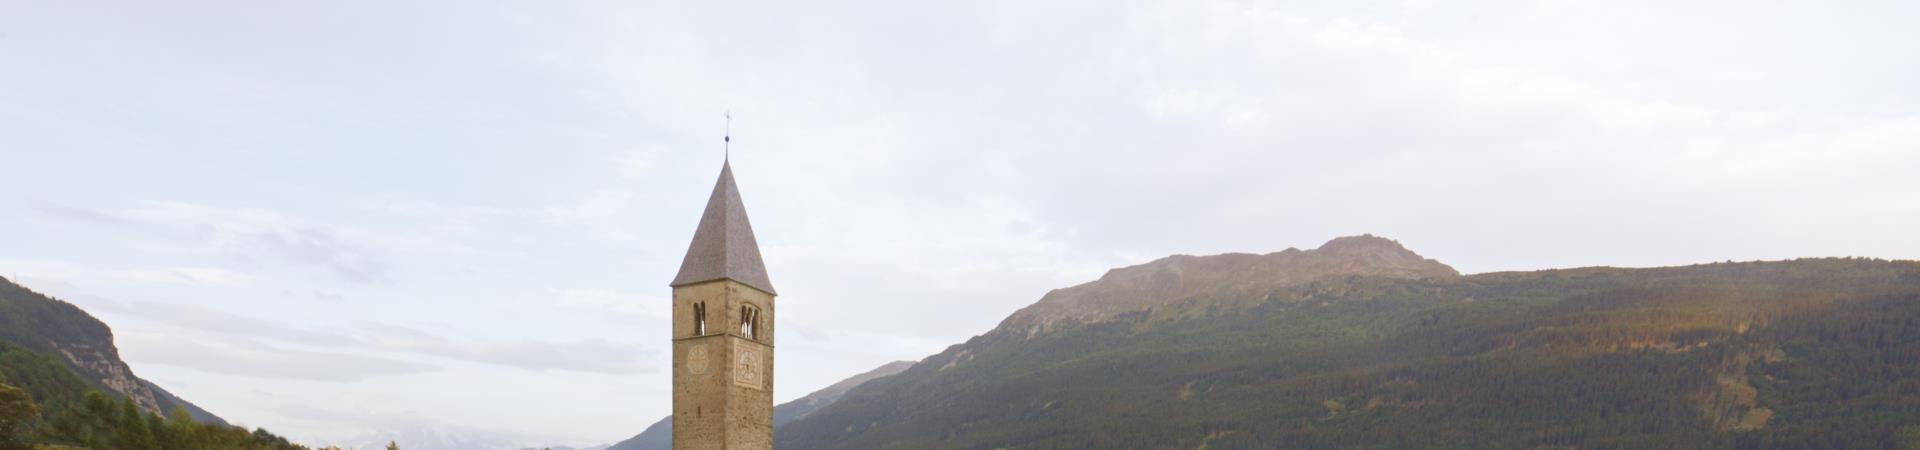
(1821, 353)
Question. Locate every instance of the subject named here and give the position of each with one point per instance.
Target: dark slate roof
(723, 246)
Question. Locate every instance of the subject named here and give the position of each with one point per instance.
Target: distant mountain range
(1362, 343)
(39, 325)
(659, 436)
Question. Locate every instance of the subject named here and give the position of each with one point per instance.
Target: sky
(347, 219)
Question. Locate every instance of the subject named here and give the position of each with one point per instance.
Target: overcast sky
(332, 219)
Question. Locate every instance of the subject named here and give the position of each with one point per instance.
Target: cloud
(222, 325)
(54, 278)
(243, 357)
(201, 276)
(245, 233)
(364, 342)
(245, 345)
(592, 356)
(76, 214)
(624, 303)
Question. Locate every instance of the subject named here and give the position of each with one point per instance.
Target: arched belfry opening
(699, 318)
(750, 322)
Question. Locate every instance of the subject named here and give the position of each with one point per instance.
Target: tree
(391, 445)
(17, 414)
(180, 430)
(91, 424)
(159, 433)
(133, 433)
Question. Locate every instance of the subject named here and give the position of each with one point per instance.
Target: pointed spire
(723, 246)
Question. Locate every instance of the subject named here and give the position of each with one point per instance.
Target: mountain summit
(1184, 286)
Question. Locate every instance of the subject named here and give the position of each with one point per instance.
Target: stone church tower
(723, 333)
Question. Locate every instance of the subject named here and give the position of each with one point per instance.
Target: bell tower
(723, 332)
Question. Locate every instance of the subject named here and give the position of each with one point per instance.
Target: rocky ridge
(1183, 285)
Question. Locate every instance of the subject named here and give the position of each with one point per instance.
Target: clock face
(697, 359)
(747, 372)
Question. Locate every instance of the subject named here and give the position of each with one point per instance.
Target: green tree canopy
(17, 414)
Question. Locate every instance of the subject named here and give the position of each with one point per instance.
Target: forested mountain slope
(66, 387)
(47, 326)
(1363, 344)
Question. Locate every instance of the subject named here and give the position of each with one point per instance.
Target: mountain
(1182, 286)
(40, 325)
(1362, 343)
(659, 436)
(801, 407)
(435, 436)
(438, 435)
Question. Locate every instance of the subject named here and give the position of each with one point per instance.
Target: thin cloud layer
(193, 337)
(245, 235)
(254, 359)
(202, 276)
(596, 356)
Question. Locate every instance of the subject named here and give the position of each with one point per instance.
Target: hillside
(46, 326)
(788, 412)
(659, 436)
(67, 388)
(1364, 344)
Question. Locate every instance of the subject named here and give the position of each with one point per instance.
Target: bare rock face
(105, 366)
(1183, 285)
